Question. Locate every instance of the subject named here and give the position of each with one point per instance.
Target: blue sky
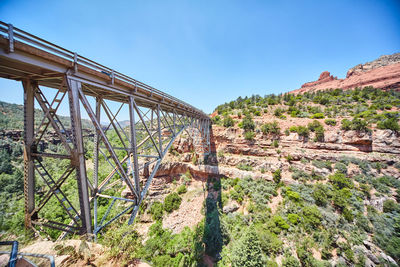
(210, 52)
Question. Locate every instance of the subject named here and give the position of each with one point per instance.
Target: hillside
(383, 73)
(12, 117)
(307, 179)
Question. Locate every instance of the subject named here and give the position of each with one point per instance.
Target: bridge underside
(95, 159)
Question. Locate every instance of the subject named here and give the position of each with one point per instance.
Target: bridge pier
(29, 171)
(78, 157)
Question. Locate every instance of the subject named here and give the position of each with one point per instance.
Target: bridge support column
(133, 147)
(78, 156)
(29, 171)
(96, 164)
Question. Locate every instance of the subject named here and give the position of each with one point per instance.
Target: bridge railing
(13, 33)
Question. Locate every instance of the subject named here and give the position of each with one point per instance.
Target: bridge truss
(100, 158)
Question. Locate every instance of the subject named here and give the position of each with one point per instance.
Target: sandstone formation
(382, 73)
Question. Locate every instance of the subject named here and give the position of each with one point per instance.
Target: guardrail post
(10, 38)
(75, 62)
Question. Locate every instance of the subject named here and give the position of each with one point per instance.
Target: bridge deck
(28, 56)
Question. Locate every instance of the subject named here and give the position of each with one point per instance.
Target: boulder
(232, 207)
(389, 259)
(372, 257)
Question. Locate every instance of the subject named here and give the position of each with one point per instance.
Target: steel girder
(125, 158)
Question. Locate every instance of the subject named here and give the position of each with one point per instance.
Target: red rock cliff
(382, 73)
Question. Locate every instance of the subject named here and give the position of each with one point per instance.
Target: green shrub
(123, 241)
(278, 112)
(172, 202)
(341, 197)
(326, 254)
(247, 250)
(294, 196)
(187, 177)
(271, 128)
(345, 125)
(303, 131)
(181, 189)
(320, 194)
(249, 136)
(311, 216)
(275, 143)
(156, 210)
(216, 120)
(390, 205)
(318, 116)
(347, 214)
(194, 159)
(364, 188)
(359, 125)
(280, 222)
(271, 263)
(235, 195)
(290, 261)
(293, 129)
(269, 242)
(356, 124)
(341, 167)
(248, 123)
(320, 164)
(289, 158)
(339, 181)
(228, 122)
(312, 126)
(301, 175)
(391, 124)
(244, 167)
(319, 134)
(277, 176)
(330, 122)
(287, 132)
(293, 218)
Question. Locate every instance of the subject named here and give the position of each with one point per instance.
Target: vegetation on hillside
(319, 216)
(362, 109)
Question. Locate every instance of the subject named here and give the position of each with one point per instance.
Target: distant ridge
(383, 73)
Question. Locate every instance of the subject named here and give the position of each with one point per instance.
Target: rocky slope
(367, 158)
(382, 73)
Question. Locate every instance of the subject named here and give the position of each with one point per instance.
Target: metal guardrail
(13, 33)
(14, 254)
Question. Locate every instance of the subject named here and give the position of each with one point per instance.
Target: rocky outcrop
(382, 61)
(323, 78)
(231, 140)
(171, 169)
(382, 73)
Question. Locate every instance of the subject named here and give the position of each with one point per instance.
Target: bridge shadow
(212, 236)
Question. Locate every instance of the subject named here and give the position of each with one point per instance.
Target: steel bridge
(52, 77)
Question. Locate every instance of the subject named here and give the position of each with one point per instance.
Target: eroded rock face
(323, 78)
(382, 61)
(382, 141)
(381, 73)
